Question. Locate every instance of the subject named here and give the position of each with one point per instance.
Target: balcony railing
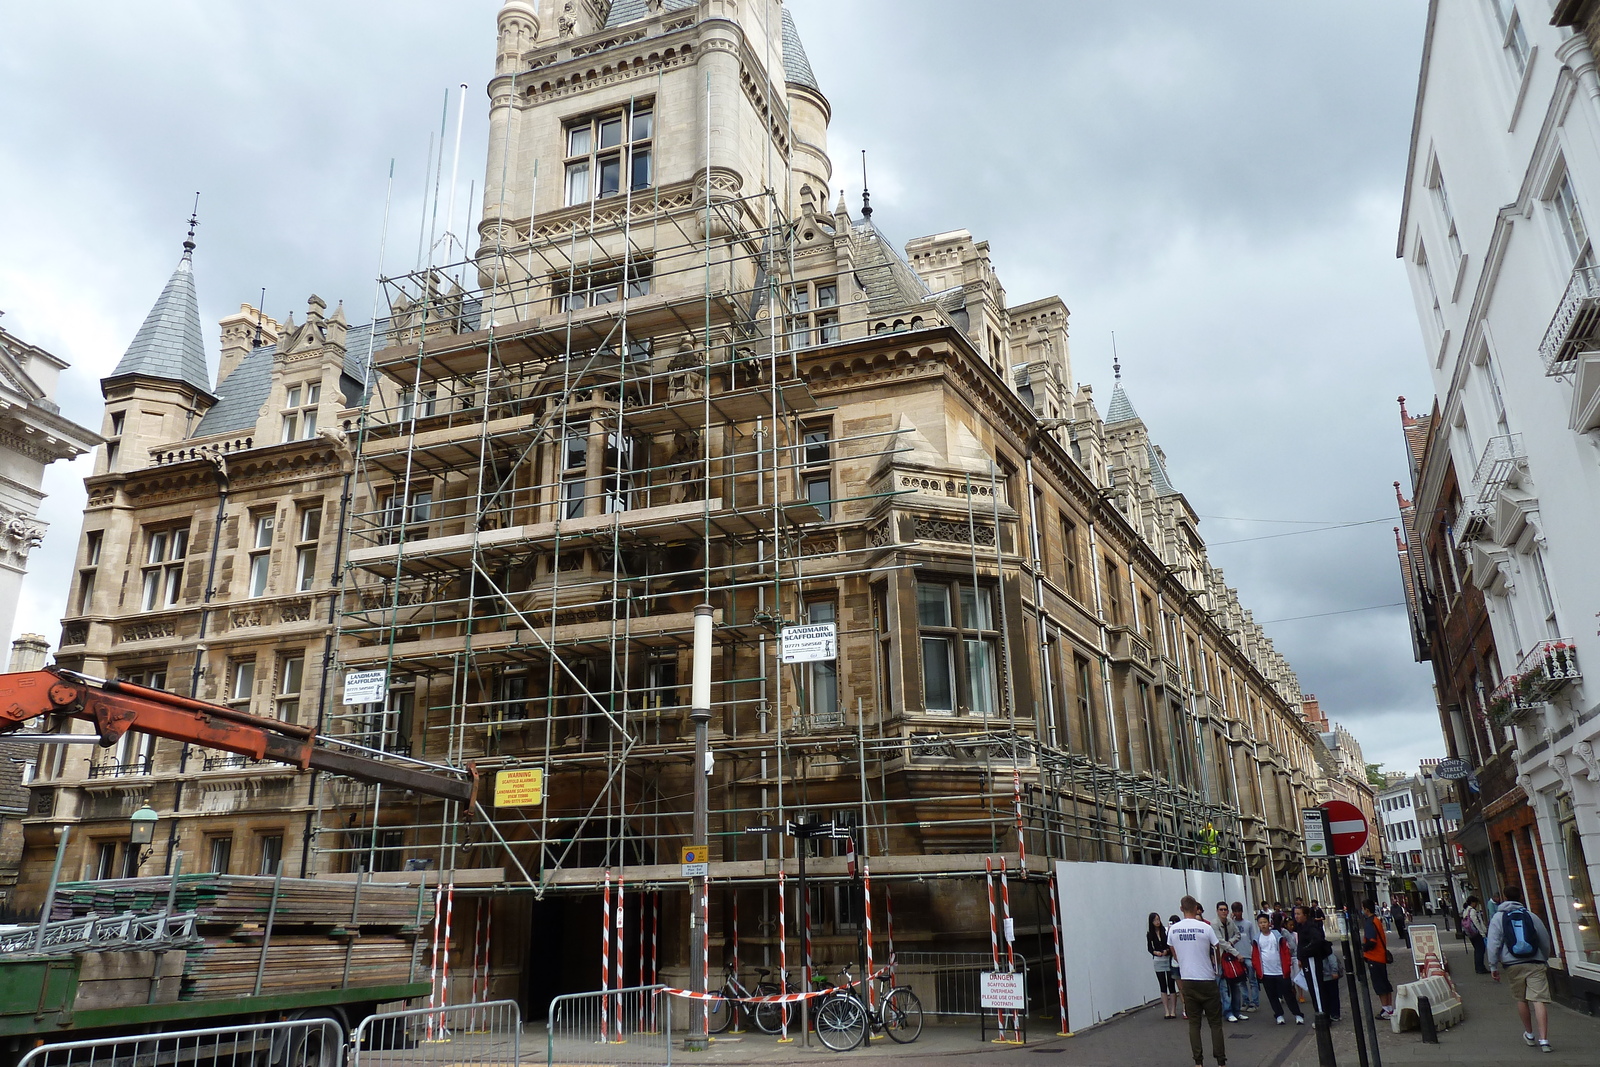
(114, 769)
(1576, 324)
(234, 763)
(1549, 667)
(1502, 457)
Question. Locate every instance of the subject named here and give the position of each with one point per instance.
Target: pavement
(1491, 1035)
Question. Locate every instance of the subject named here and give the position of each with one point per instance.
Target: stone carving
(1591, 765)
(948, 530)
(1525, 780)
(295, 611)
(148, 631)
(1563, 772)
(21, 533)
(74, 633)
(244, 617)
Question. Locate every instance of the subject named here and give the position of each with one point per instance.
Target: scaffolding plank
(520, 644)
(744, 405)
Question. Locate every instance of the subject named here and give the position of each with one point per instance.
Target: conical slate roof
(797, 68)
(1121, 408)
(169, 343)
(1158, 473)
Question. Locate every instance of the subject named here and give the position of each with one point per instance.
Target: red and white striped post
(866, 913)
(1011, 952)
(605, 962)
(621, 984)
(1061, 979)
(1022, 845)
(994, 939)
(434, 998)
(733, 937)
(888, 923)
(444, 962)
(783, 954)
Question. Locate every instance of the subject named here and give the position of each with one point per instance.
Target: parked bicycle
(720, 1014)
(844, 1017)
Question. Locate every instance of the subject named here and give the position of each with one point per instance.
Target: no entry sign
(1348, 827)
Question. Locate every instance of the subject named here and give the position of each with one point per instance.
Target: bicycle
(843, 1017)
(899, 1012)
(768, 1018)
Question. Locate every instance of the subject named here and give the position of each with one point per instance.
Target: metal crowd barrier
(487, 1034)
(308, 1043)
(948, 983)
(629, 1027)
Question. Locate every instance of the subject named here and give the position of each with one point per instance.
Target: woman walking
(1274, 962)
(1155, 940)
(1476, 927)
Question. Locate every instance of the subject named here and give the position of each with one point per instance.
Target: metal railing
(487, 1034)
(629, 1027)
(1573, 326)
(113, 769)
(949, 983)
(94, 933)
(306, 1043)
(1501, 458)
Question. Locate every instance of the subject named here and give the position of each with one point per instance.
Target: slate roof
(243, 392)
(169, 345)
(796, 66)
(890, 283)
(1121, 408)
(1158, 474)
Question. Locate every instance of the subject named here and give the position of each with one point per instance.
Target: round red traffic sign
(1347, 826)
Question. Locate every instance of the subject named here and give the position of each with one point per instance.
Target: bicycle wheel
(719, 1015)
(841, 1022)
(902, 1015)
(769, 1017)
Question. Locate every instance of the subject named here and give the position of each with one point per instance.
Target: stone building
(1501, 195)
(677, 371)
(205, 567)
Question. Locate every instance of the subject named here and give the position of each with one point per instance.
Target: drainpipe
(327, 658)
(221, 471)
(1105, 652)
(1047, 715)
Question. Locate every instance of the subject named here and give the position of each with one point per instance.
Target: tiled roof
(890, 283)
(1121, 408)
(169, 345)
(243, 392)
(1158, 474)
(796, 66)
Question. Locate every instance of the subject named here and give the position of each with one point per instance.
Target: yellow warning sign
(519, 789)
(696, 861)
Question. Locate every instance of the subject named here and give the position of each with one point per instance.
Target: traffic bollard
(1430, 1032)
(1324, 1028)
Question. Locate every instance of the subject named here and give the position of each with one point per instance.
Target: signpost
(1316, 836)
(365, 687)
(1347, 833)
(519, 789)
(809, 642)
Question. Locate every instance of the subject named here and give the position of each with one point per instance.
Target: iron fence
(305, 1043)
(629, 1027)
(487, 1034)
(949, 983)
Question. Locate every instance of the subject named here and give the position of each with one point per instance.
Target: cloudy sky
(1216, 184)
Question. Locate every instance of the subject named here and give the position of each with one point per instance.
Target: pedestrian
(1375, 950)
(1274, 961)
(1228, 933)
(1251, 984)
(1475, 926)
(1520, 945)
(1155, 940)
(1311, 948)
(1397, 920)
(1195, 948)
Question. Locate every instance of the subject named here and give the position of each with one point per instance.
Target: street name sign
(365, 687)
(1348, 825)
(809, 643)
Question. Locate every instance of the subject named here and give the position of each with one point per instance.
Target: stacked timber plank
(320, 932)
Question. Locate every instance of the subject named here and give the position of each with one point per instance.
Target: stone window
(814, 313)
(419, 404)
(300, 411)
(609, 153)
(598, 286)
(1113, 593)
(291, 677)
(305, 565)
(220, 852)
(269, 853)
(86, 577)
(960, 649)
(816, 468)
(164, 550)
(241, 681)
(821, 694)
(262, 526)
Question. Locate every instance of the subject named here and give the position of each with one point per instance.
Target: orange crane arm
(117, 707)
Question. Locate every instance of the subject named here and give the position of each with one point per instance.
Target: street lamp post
(141, 834)
(700, 715)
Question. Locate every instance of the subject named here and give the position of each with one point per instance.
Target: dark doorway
(564, 947)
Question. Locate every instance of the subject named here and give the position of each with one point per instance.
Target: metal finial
(194, 220)
(260, 311)
(1116, 364)
(866, 196)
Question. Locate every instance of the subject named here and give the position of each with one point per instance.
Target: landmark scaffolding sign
(365, 687)
(809, 643)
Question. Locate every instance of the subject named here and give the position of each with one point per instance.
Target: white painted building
(1502, 194)
(1402, 837)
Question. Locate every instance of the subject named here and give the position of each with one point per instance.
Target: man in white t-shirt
(1194, 948)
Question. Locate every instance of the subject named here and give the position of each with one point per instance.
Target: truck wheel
(319, 1042)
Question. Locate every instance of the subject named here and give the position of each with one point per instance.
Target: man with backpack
(1520, 945)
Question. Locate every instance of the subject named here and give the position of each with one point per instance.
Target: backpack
(1519, 939)
(1332, 969)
